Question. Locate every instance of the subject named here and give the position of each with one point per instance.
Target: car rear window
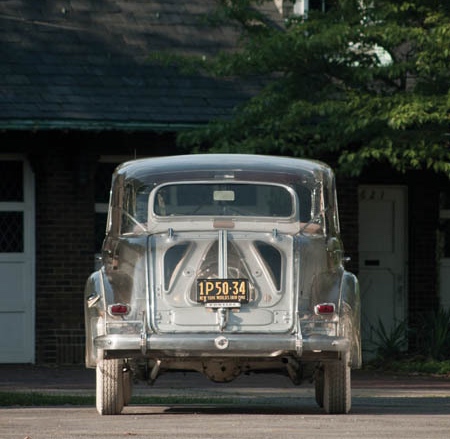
(223, 199)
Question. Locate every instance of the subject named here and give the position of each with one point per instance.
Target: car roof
(155, 170)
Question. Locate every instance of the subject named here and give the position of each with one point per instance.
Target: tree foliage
(362, 82)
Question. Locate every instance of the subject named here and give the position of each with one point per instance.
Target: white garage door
(17, 254)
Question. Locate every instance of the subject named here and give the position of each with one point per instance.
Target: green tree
(362, 82)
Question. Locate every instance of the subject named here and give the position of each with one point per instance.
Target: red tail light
(324, 308)
(119, 309)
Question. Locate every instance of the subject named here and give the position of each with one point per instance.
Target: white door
(382, 262)
(17, 253)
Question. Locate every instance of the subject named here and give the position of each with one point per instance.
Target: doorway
(17, 261)
(382, 262)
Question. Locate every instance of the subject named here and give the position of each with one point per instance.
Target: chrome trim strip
(246, 345)
(223, 254)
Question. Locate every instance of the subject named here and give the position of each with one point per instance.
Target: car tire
(127, 386)
(319, 386)
(109, 387)
(337, 386)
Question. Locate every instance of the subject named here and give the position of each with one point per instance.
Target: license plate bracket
(222, 291)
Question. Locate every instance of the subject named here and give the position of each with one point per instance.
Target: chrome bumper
(213, 345)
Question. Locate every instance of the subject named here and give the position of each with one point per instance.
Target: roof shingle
(73, 63)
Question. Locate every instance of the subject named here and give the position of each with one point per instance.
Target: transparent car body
(223, 264)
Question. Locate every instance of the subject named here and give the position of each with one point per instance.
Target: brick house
(78, 96)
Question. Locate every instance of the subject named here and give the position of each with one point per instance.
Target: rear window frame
(154, 192)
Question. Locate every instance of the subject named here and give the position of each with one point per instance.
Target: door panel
(382, 261)
(16, 262)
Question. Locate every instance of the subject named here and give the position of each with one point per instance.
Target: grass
(8, 399)
(38, 399)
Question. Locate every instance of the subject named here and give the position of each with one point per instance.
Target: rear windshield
(223, 199)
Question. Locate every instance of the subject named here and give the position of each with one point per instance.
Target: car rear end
(223, 271)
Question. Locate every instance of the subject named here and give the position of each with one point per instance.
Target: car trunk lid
(257, 296)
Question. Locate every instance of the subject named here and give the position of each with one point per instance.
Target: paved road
(268, 407)
(371, 417)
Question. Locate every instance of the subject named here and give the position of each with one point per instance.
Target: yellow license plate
(222, 290)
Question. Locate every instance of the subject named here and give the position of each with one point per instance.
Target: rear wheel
(337, 386)
(109, 387)
(318, 385)
(127, 386)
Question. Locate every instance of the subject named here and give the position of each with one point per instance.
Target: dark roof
(84, 64)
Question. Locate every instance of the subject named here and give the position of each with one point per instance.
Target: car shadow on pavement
(360, 406)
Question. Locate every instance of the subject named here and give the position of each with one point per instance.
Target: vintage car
(222, 264)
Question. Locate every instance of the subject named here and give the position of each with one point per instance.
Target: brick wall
(65, 172)
(423, 223)
(347, 190)
(64, 244)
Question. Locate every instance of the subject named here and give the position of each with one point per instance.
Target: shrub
(433, 337)
(391, 345)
